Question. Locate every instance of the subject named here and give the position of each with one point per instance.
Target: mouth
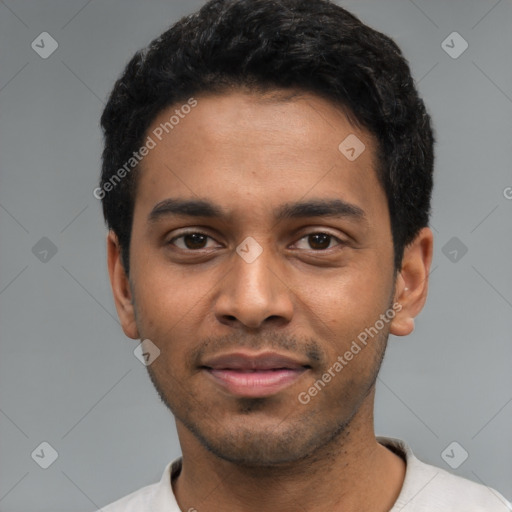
(256, 375)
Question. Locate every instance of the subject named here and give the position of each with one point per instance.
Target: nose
(254, 293)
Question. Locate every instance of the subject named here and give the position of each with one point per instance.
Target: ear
(411, 285)
(121, 287)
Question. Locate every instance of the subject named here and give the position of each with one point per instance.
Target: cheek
(171, 305)
(160, 302)
(349, 298)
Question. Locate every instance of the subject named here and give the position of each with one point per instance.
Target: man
(266, 180)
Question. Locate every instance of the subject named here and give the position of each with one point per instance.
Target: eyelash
(332, 237)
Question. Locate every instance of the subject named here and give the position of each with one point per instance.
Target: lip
(254, 375)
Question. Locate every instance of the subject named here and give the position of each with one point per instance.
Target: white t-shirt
(426, 488)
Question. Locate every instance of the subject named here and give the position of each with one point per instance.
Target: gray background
(68, 375)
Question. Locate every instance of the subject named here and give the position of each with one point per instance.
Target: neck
(352, 472)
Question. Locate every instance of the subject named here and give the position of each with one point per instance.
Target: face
(259, 254)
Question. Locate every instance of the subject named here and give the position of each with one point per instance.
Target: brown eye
(319, 241)
(191, 241)
(194, 240)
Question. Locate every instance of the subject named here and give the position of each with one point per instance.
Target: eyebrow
(335, 208)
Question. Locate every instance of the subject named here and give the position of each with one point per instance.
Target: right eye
(191, 241)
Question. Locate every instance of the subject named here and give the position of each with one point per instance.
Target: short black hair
(312, 46)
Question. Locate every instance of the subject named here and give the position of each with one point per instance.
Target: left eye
(319, 241)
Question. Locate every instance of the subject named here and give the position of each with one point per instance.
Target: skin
(304, 296)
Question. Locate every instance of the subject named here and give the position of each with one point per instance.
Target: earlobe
(411, 285)
(121, 287)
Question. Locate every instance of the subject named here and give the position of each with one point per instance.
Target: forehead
(251, 151)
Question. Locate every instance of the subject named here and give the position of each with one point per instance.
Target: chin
(254, 445)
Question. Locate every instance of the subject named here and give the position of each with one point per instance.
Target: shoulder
(457, 493)
(429, 488)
